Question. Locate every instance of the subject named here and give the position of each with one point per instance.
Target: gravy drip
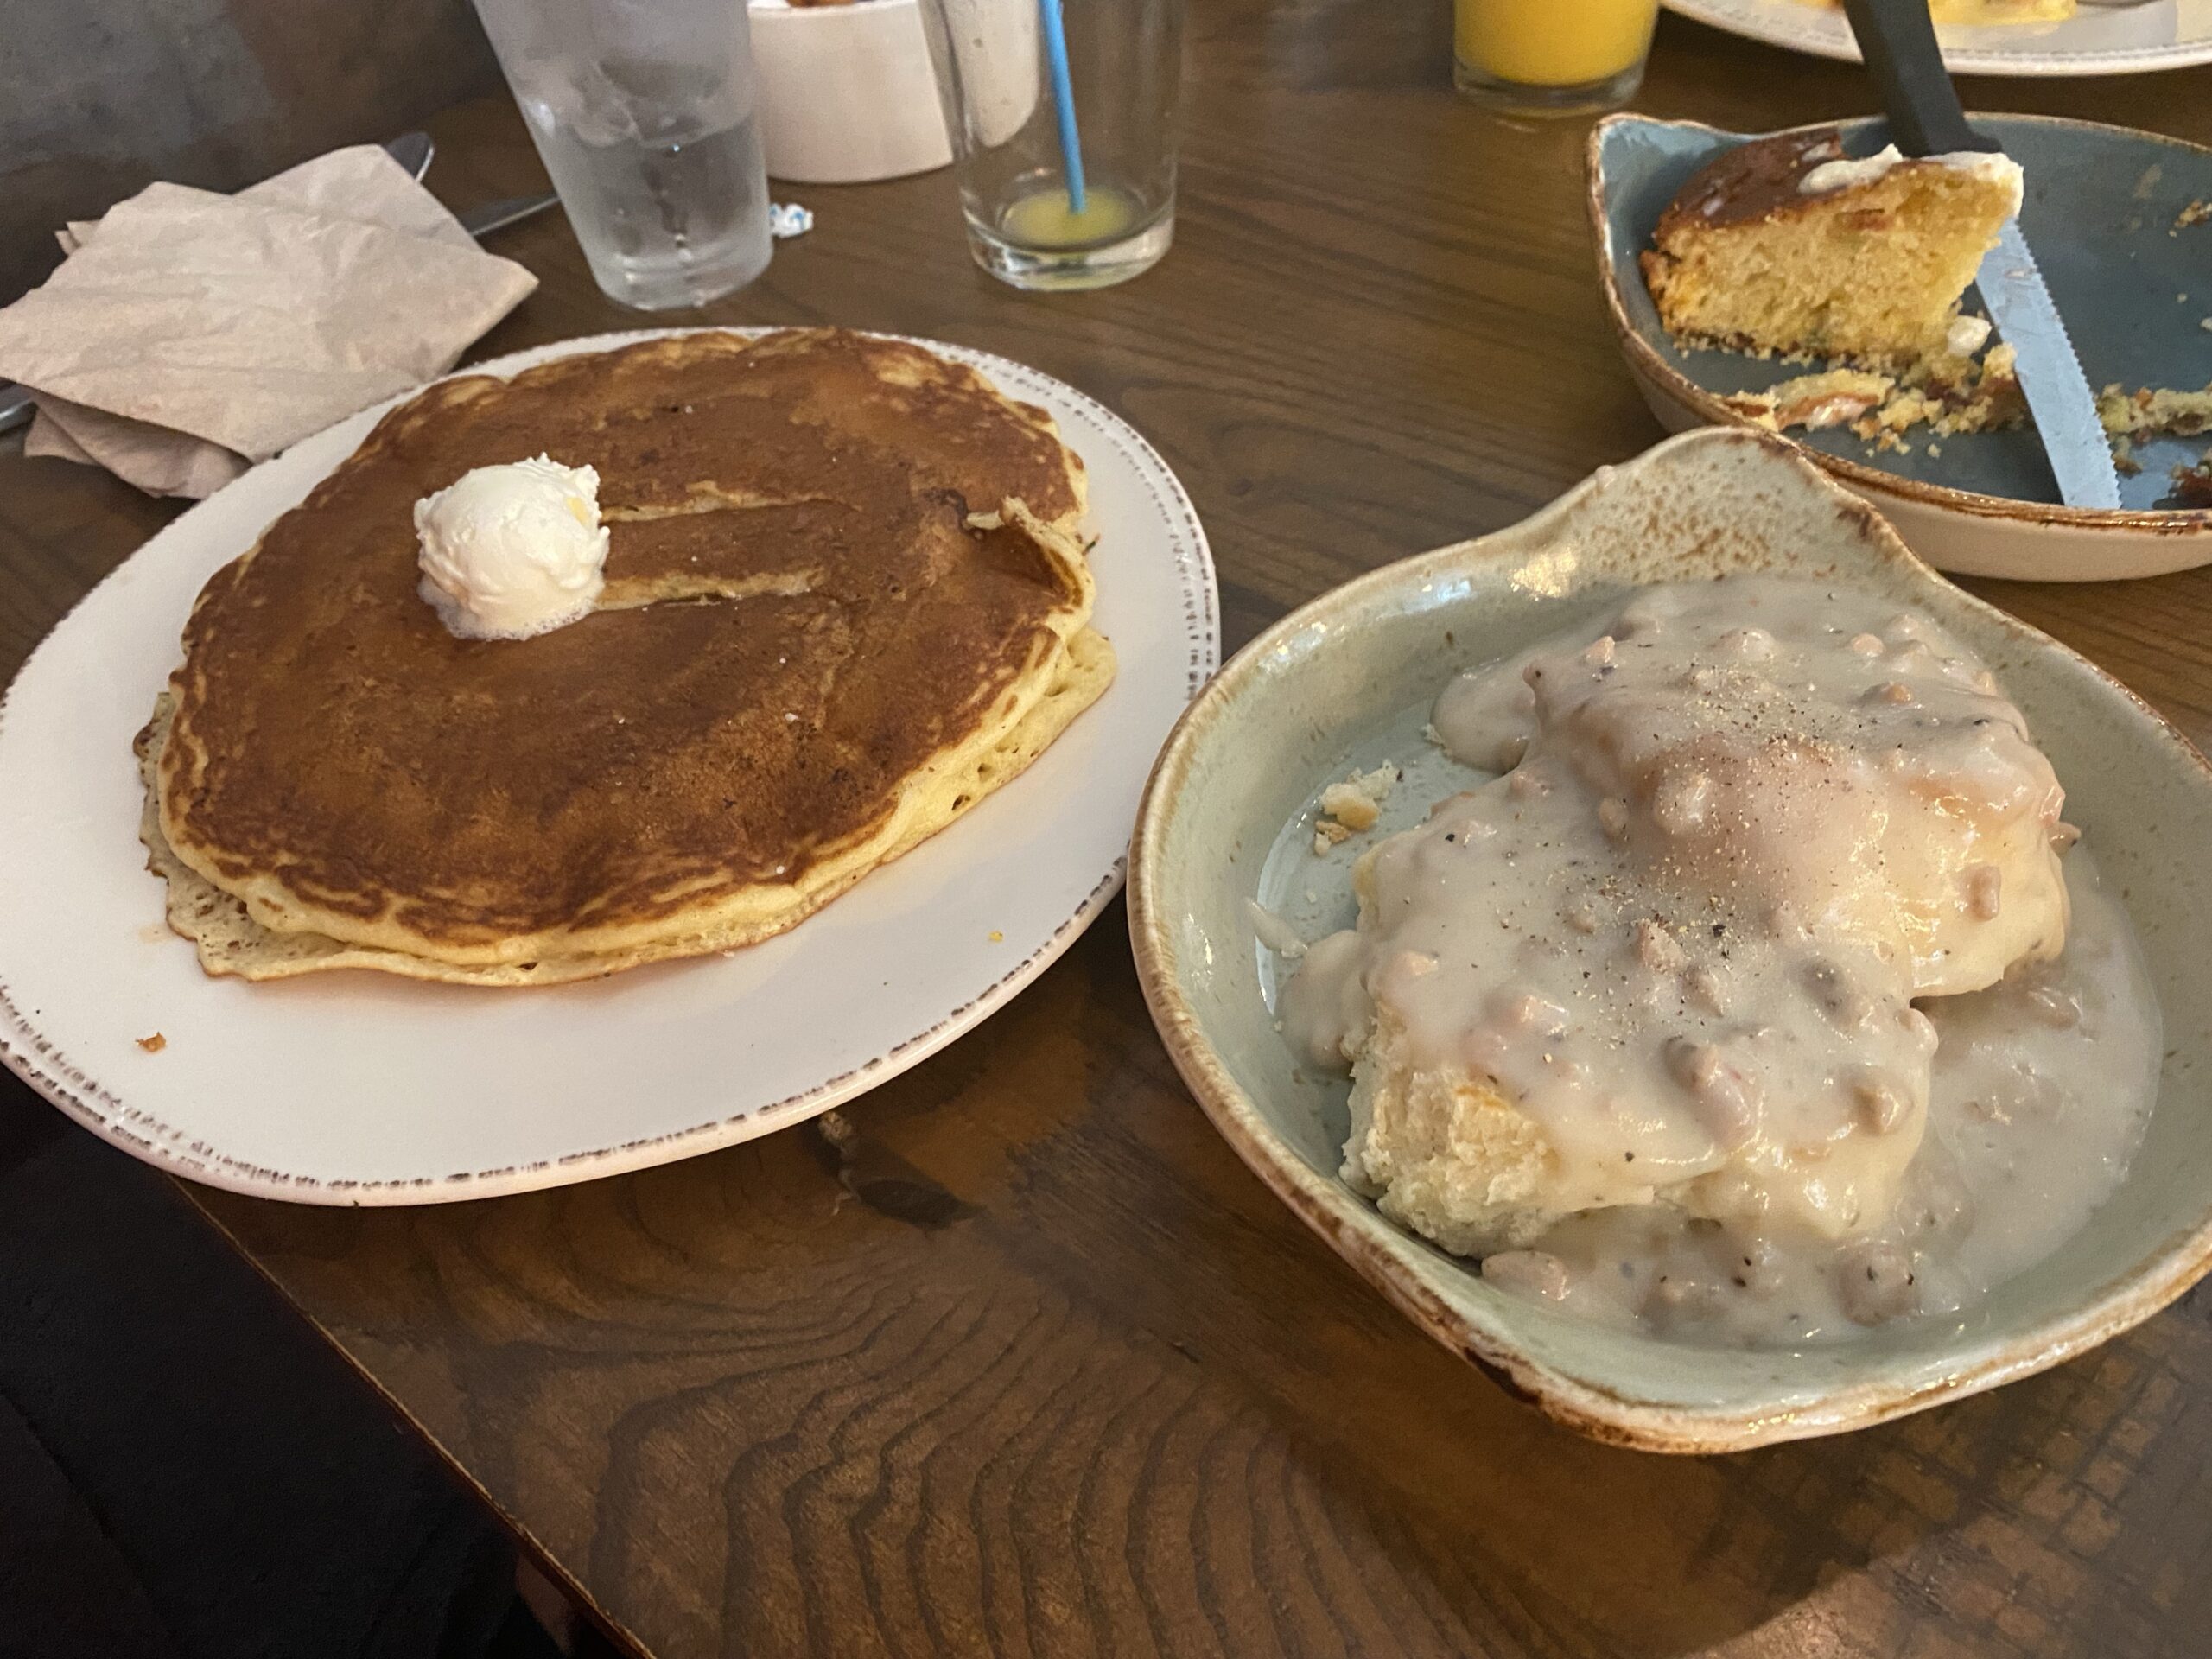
(2042, 1090)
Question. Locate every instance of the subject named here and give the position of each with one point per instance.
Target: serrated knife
(1898, 40)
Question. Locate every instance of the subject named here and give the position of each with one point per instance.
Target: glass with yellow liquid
(1556, 56)
(1010, 149)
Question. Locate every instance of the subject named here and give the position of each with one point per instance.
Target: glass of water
(1068, 180)
(643, 113)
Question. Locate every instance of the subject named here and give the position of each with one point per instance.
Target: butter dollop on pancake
(844, 601)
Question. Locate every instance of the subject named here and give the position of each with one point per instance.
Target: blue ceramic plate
(2100, 213)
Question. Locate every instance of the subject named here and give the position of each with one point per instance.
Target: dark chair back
(98, 98)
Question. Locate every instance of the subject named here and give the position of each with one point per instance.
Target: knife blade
(1898, 40)
(480, 222)
(2058, 393)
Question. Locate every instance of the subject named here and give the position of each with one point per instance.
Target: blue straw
(1056, 56)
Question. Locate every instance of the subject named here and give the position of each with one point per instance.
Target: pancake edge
(230, 943)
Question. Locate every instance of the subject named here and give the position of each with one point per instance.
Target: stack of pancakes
(845, 600)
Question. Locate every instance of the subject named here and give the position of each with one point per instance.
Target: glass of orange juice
(1560, 56)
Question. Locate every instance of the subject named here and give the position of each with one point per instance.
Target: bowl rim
(1380, 1252)
(1644, 360)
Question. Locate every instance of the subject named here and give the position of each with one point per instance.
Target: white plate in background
(2098, 40)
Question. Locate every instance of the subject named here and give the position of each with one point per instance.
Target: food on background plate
(1742, 1004)
(1876, 408)
(2156, 412)
(1786, 247)
(1831, 398)
(2193, 485)
(1977, 13)
(842, 600)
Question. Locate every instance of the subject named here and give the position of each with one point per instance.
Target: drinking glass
(643, 113)
(1014, 127)
(1559, 57)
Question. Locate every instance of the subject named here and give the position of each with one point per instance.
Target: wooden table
(1033, 1366)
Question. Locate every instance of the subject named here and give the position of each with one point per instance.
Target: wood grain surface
(1017, 1358)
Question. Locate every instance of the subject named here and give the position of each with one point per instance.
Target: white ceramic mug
(847, 93)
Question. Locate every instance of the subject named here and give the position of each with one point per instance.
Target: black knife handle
(1898, 40)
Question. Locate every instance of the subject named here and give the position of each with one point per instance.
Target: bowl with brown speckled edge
(2108, 212)
(1341, 682)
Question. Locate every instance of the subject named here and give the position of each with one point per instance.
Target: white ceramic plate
(2098, 40)
(359, 1088)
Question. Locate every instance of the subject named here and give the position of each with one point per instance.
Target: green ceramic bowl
(1348, 681)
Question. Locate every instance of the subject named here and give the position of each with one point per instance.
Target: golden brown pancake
(843, 601)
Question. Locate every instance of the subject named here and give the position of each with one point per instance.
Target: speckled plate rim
(1397, 1263)
(1814, 32)
(108, 1110)
(1644, 360)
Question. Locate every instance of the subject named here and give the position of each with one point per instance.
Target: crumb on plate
(1813, 401)
(2154, 410)
(1348, 808)
(2193, 485)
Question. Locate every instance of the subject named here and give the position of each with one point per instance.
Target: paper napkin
(190, 333)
